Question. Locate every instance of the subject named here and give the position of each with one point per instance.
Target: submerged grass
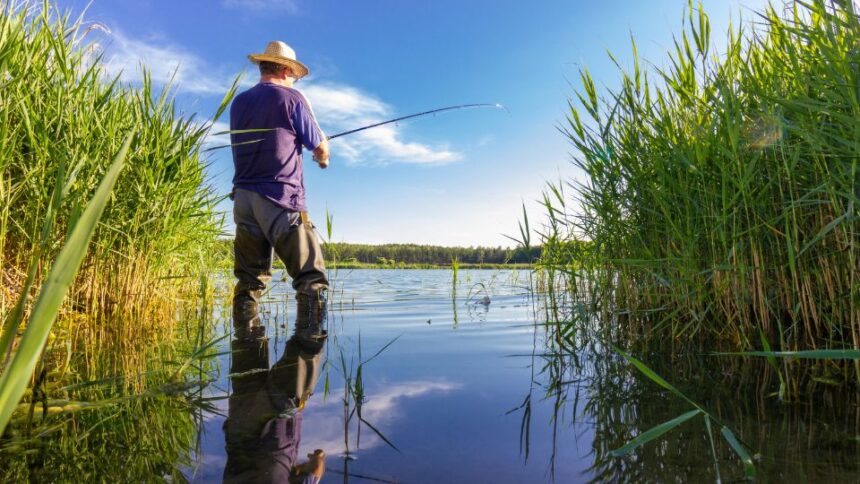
(722, 199)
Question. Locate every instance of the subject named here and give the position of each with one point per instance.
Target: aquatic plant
(632, 407)
(354, 395)
(62, 117)
(721, 206)
(16, 375)
(655, 432)
(143, 439)
(98, 430)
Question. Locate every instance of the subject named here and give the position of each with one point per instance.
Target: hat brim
(299, 69)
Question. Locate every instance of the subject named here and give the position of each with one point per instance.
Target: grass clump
(722, 199)
(62, 118)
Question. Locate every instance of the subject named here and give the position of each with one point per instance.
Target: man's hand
(315, 465)
(321, 154)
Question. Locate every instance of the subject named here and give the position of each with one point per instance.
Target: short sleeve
(305, 124)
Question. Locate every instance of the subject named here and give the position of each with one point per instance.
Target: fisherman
(270, 125)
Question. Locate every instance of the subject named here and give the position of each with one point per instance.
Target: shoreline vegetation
(723, 195)
(105, 293)
(63, 118)
(721, 205)
(414, 265)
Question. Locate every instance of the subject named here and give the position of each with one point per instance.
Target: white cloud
(165, 63)
(333, 103)
(262, 5)
(338, 107)
(386, 139)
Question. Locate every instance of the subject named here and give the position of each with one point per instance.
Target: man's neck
(281, 81)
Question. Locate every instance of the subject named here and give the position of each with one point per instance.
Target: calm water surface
(466, 393)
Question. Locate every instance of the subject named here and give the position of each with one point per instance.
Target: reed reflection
(264, 423)
(591, 389)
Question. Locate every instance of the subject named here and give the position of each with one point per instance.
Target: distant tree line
(429, 254)
(393, 254)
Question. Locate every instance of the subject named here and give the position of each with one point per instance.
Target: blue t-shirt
(270, 162)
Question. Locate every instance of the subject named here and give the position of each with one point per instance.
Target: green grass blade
(709, 428)
(766, 349)
(653, 433)
(749, 467)
(13, 381)
(825, 231)
(806, 355)
(228, 96)
(10, 328)
(642, 367)
(380, 350)
(379, 434)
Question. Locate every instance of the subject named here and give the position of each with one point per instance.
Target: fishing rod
(374, 125)
(432, 111)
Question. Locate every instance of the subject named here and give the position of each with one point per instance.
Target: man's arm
(309, 132)
(321, 153)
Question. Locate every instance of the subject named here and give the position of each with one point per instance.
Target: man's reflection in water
(264, 425)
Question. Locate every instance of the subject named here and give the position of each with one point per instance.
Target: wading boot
(246, 307)
(311, 320)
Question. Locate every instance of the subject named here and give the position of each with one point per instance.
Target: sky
(457, 178)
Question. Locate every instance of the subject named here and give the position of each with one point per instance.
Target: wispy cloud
(339, 107)
(338, 104)
(262, 5)
(165, 63)
(386, 141)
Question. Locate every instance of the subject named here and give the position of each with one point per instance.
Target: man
(270, 123)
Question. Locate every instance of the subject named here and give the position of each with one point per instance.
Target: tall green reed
(722, 200)
(16, 375)
(61, 117)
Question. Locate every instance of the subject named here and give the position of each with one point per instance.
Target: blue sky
(459, 178)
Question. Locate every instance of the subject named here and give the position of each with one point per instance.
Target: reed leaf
(648, 372)
(806, 354)
(749, 466)
(653, 433)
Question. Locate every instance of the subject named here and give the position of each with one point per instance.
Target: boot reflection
(264, 422)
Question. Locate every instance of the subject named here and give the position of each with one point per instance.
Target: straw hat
(281, 53)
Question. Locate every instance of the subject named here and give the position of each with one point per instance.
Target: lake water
(467, 392)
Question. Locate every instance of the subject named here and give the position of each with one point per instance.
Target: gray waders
(261, 228)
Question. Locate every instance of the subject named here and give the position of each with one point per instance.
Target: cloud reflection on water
(324, 418)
